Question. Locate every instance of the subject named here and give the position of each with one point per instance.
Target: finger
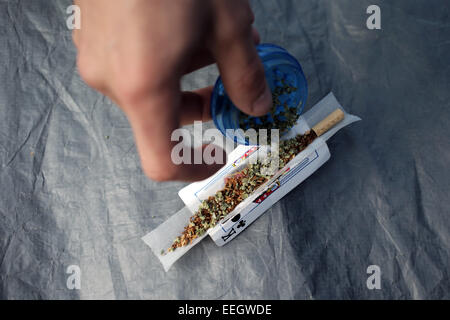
(195, 106)
(153, 119)
(205, 58)
(243, 75)
(256, 37)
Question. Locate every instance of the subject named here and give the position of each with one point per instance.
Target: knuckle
(159, 174)
(233, 32)
(88, 70)
(128, 90)
(132, 82)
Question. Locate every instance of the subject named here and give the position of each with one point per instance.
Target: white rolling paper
(163, 236)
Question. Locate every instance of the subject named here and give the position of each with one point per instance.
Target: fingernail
(263, 104)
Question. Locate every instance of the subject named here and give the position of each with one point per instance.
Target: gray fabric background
(72, 191)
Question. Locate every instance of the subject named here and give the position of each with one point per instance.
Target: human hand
(137, 51)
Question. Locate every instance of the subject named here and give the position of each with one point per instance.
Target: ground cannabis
(237, 188)
(281, 117)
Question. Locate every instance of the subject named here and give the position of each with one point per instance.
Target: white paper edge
(162, 237)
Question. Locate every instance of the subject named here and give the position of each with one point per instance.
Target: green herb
(281, 116)
(238, 187)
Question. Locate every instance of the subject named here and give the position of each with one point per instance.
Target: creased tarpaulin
(73, 192)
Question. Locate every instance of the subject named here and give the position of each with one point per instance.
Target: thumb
(243, 75)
